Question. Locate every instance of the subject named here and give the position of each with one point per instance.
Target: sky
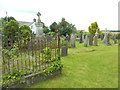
(81, 13)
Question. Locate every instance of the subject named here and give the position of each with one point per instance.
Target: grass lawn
(84, 68)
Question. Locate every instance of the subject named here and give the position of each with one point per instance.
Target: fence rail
(30, 55)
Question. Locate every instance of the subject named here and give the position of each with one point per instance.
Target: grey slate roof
(24, 23)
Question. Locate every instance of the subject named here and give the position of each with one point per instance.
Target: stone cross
(39, 27)
(38, 14)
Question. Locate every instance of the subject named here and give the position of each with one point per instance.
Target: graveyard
(58, 56)
(87, 67)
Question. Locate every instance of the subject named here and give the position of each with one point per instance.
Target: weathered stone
(106, 39)
(95, 40)
(102, 36)
(48, 37)
(67, 37)
(91, 39)
(81, 40)
(114, 38)
(64, 51)
(39, 27)
(72, 41)
(86, 41)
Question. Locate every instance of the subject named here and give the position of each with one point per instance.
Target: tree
(53, 27)
(66, 28)
(10, 32)
(25, 32)
(8, 19)
(93, 28)
(46, 30)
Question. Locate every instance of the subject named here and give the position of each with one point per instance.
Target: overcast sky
(81, 13)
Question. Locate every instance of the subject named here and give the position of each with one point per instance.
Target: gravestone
(81, 40)
(86, 41)
(64, 51)
(114, 38)
(39, 27)
(67, 37)
(101, 36)
(48, 37)
(91, 39)
(106, 39)
(95, 40)
(63, 37)
(72, 41)
(84, 36)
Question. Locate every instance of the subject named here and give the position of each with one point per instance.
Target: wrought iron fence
(29, 55)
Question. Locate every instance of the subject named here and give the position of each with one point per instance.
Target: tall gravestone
(80, 40)
(84, 36)
(101, 36)
(95, 39)
(114, 38)
(64, 51)
(67, 37)
(106, 39)
(91, 39)
(86, 41)
(39, 27)
(72, 41)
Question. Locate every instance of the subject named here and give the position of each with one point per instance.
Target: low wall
(29, 80)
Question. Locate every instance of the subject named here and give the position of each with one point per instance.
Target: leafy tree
(66, 28)
(8, 19)
(25, 32)
(10, 32)
(93, 28)
(53, 27)
(46, 30)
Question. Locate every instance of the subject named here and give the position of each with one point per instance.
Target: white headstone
(39, 27)
(72, 40)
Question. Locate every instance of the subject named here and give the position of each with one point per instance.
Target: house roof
(24, 23)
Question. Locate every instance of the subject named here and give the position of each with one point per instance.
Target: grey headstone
(84, 36)
(106, 39)
(81, 40)
(67, 37)
(72, 41)
(48, 37)
(86, 41)
(91, 39)
(64, 51)
(95, 40)
(114, 38)
(102, 36)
